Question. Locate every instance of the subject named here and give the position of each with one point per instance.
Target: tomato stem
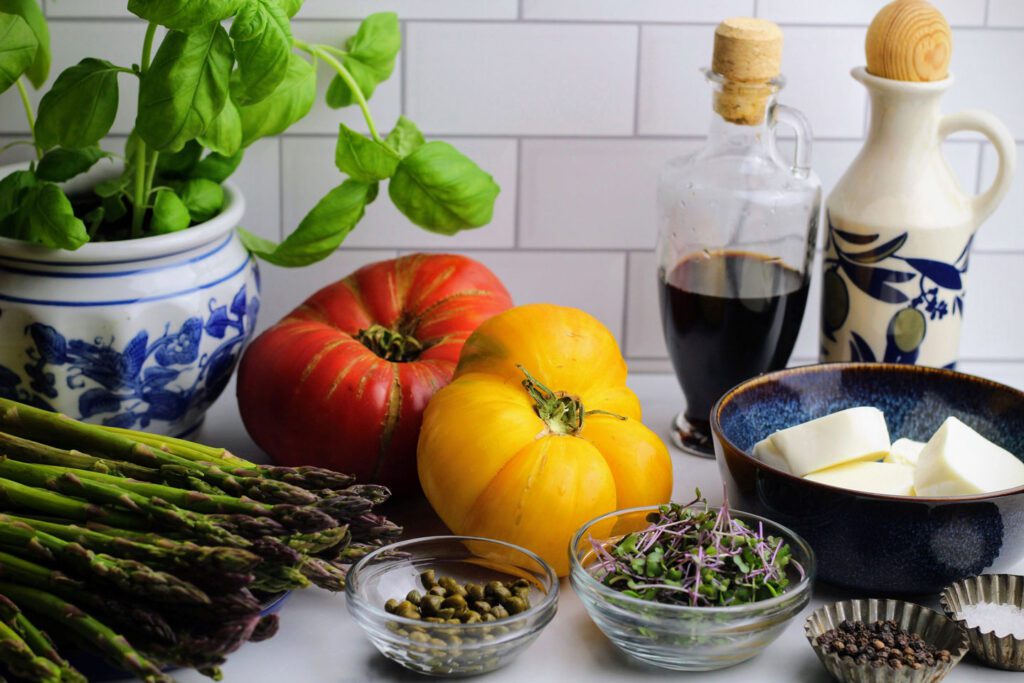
(563, 413)
(390, 344)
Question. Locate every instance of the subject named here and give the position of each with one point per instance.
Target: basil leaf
(224, 134)
(11, 188)
(185, 87)
(289, 102)
(440, 189)
(217, 167)
(183, 14)
(80, 107)
(262, 38)
(179, 164)
(62, 164)
(111, 187)
(51, 220)
(363, 158)
(113, 208)
(320, 232)
(290, 7)
(203, 198)
(29, 11)
(370, 59)
(18, 47)
(169, 213)
(405, 138)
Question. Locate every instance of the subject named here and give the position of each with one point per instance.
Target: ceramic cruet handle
(999, 135)
(788, 116)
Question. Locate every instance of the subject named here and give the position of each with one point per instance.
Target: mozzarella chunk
(905, 452)
(957, 461)
(769, 455)
(871, 477)
(851, 435)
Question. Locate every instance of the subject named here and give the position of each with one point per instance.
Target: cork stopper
(909, 40)
(748, 56)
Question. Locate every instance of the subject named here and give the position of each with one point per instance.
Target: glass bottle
(737, 228)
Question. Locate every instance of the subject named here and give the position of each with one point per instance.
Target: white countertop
(319, 642)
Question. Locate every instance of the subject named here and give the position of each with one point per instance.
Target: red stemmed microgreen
(696, 556)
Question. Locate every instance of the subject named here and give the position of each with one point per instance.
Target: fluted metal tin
(1006, 652)
(935, 629)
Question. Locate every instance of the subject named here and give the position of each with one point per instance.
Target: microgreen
(696, 556)
(224, 74)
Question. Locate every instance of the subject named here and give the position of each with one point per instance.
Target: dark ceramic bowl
(882, 544)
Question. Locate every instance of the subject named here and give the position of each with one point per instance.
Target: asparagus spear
(21, 661)
(113, 646)
(15, 495)
(40, 643)
(127, 575)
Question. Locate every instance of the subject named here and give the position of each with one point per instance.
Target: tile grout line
(519, 16)
(403, 86)
(757, 8)
(981, 166)
(636, 84)
(280, 187)
(988, 8)
(625, 303)
(518, 210)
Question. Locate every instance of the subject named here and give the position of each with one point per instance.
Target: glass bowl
(449, 649)
(676, 636)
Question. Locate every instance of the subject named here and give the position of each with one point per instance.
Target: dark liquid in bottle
(727, 316)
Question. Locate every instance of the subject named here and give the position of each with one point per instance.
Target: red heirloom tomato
(342, 381)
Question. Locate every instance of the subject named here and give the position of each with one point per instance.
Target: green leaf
(370, 59)
(184, 14)
(113, 208)
(203, 198)
(18, 47)
(51, 220)
(224, 134)
(112, 186)
(169, 213)
(11, 189)
(179, 164)
(185, 87)
(262, 38)
(405, 138)
(440, 189)
(61, 163)
(80, 107)
(363, 158)
(320, 232)
(217, 167)
(290, 7)
(30, 11)
(289, 102)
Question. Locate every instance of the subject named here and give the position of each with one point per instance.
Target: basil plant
(225, 74)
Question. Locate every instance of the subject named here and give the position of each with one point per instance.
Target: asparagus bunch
(107, 531)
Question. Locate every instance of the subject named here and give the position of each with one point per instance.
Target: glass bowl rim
(550, 597)
(577, 571)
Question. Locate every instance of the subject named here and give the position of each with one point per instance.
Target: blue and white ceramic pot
(142, 333)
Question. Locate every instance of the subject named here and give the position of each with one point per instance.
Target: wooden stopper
(909, 40)
(748, 55)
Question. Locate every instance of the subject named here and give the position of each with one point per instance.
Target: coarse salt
(1002, 619)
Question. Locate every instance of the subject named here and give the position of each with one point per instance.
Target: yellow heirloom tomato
(538, 433)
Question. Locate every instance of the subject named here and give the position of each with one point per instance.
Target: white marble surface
(320, 643)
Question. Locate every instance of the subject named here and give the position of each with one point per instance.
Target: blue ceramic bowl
(882, 544)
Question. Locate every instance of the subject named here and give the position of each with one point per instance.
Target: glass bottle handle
(792, 118)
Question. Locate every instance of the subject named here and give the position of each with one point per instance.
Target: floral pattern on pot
(881, 272)
(165, 378)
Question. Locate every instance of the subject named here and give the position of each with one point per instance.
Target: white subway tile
(674, 97)
(644, 337)
(385, 105)
(592, 193)
(1004, 228)
(992, 325)
(521, 78)
(308, 172)
(592, 281)
(957, 12)
(88, 8)
(636, 10)
(72, 41)
(816, 63)
(410, 9)
(259, 177)
(1006, 13)
(282, 289)
(980, 68)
